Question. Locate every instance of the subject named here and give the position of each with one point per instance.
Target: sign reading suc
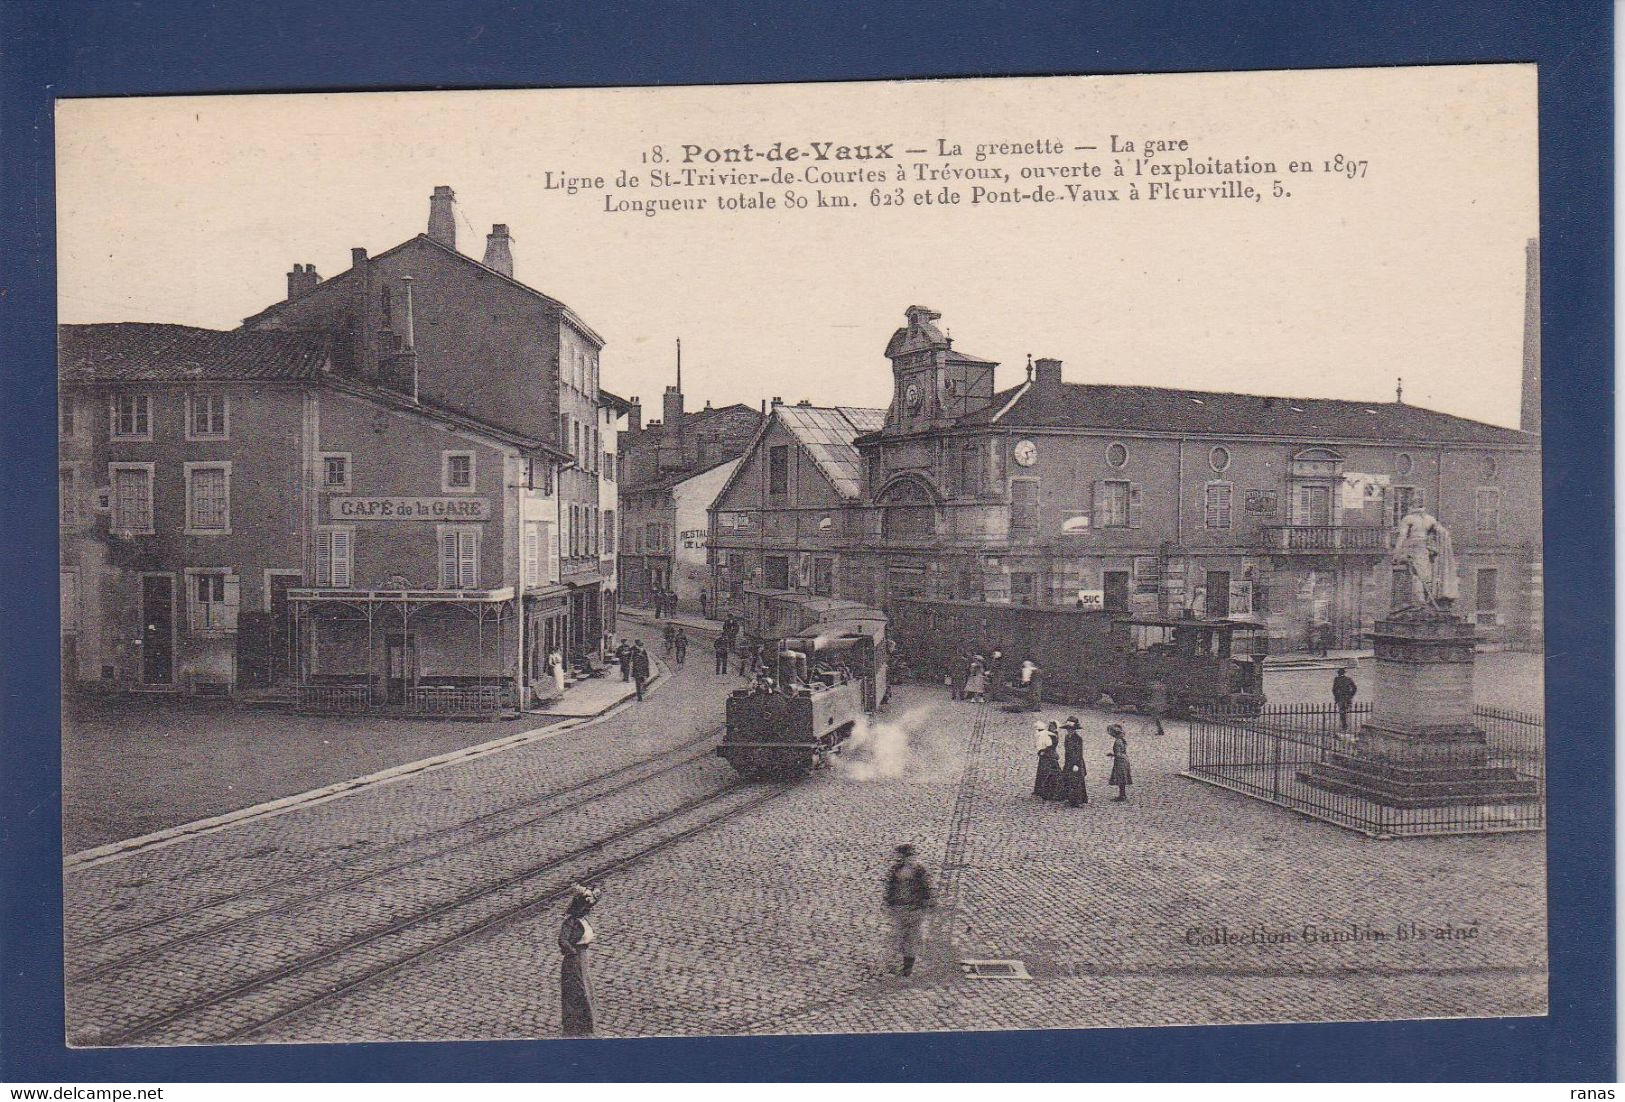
(410, 508)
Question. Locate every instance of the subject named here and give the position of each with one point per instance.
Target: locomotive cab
(1200, 661)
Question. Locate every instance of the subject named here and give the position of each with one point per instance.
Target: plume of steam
(898, 747)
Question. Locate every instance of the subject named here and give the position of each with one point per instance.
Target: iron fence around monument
(1288, 755)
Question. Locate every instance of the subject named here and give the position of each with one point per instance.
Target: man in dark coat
(681, 645)
(719, 651)
(1343, 690)
(640, 667)
(623, 655)
(1073, 770)
(908, 894)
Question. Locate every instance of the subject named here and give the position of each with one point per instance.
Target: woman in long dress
(575, 980)
(1045, 787)
(1073, 769)
(976, 683)
(555, 661)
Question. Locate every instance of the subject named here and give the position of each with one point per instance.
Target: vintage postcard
(984, 554)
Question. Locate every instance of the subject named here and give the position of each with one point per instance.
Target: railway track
(439, 842)
(245, 1006)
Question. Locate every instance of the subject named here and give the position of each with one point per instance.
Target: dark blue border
(79, 48)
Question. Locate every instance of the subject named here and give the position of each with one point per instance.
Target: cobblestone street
(428, 908)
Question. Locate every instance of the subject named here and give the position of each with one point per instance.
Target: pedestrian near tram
(1122, 776)
(640, 667)
(1343, 690)
(719, 651)
(1156, 702)
(1073, 771)
(908, 894)
(976, 681)
(575, 978)
(1046, 786)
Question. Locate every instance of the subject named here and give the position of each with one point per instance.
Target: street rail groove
(298, 801)
(104, 967)
(148, 1027)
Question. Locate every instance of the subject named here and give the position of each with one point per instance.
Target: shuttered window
(778, 469)
(132, 498)
(1487, 507)
(1023, 505)
(214, 600)
(208, 498)
(335, 549)
(459, 558)
(533, 555)
(609, 531)
(1117, 504)
(1217, 505)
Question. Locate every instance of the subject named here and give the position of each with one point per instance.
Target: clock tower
(933, 385)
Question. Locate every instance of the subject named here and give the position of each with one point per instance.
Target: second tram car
(1085, 653)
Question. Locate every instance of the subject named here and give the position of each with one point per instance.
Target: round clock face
(1026, 452)
(912, 396)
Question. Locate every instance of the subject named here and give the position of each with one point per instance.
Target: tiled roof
(826, 434)
(144, 352)
(1161, 409)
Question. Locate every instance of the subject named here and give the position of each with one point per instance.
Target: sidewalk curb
(162, 839)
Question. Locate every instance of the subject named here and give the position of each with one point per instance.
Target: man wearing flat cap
(908, 894)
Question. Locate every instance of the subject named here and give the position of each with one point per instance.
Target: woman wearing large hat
(1073, 771)
(575, 980)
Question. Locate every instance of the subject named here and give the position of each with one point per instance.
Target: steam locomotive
(816, 681)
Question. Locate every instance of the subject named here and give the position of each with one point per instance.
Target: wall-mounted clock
(1026, 452)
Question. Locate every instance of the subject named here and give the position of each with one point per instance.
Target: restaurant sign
(410, 508)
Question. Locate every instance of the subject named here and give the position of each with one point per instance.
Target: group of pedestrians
(663, 602)
(635, 665)
(1062, 772)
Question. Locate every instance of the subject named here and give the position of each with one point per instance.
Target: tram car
(1203, 663)
(817, 680)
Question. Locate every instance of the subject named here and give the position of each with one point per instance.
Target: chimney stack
(442, 216)
(634, 416)
(301, 280)
(1047, 376)
(671, 412)
(498, 250)
(1529, 416)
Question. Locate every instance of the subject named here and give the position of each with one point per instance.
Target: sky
(191, 210)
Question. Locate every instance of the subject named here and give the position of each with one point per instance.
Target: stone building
(1152, 499)
(670, 471)
(791, 514)
(424, 320)
(238, 514)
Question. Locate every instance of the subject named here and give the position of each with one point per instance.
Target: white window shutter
(233, 596)
(448, 560)
(324, 558)
(343, 556)
(1134, 507)
(195, 607)
(468, 553)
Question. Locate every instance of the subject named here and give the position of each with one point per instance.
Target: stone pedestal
(1420, 746)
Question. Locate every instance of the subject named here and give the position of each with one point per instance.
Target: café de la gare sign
(410, 508)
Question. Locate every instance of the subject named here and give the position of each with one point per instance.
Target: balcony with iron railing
(1323, 539)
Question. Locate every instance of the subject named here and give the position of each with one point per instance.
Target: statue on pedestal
(1426, 561)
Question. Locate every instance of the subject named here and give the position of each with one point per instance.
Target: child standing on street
(1121, 776)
